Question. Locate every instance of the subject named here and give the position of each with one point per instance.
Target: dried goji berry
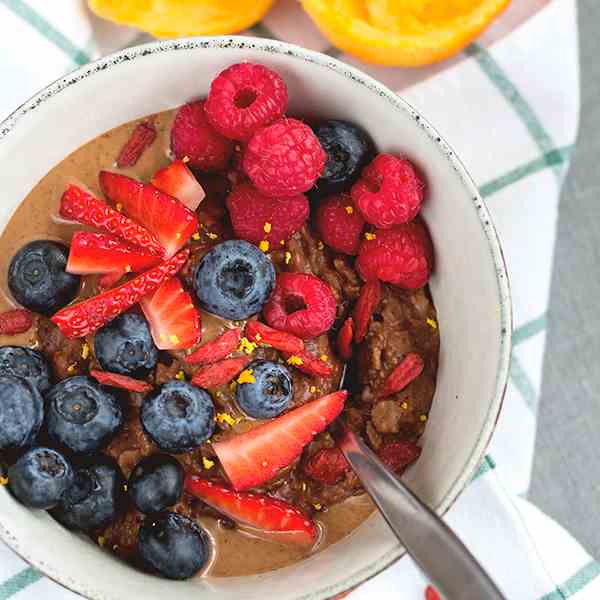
(431, 593)
(344, 339)
(328, 466)
(15, 321)
(410, 367)
(141, 137)
(280, 340)
(120, 381)
(370, 295)
(219, 373)
(399, 455)
(308, 363)
(217, 349)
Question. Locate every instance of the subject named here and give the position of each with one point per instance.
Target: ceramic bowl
(469, 287)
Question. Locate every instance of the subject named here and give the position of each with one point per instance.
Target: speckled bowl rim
(321, 60)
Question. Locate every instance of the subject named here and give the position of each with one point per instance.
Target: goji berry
(141, 137)
(399, 455)
(344, 339)
(217, 349)
(219, 373)
(107, 280)
(120, 381)
(328, 466)
(431, 593)
(410, 367)
(280, 340)
(15, 321)
(308, 363)
(370, 295)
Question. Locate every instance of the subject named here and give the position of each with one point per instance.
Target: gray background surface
(566, 475)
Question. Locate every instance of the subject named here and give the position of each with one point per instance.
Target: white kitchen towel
(509, 105)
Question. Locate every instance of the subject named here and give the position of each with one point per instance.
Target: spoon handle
(431, 543)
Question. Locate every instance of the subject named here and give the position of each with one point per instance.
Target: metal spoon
(431, 543)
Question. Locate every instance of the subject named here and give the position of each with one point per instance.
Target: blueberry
(270, 394)
(26, 363)
(178, 416)
(21, 412)
(82, 415)
(349, 148)
(156, 483)
(125, 346)
(234, 280)
(96, 498)
(37, 277)
(173, 545)
(40, 477)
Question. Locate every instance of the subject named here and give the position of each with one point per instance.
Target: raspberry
(344, 339)
(284, 159)
(409, 368)
(389, 192)
(244, 98)
(192, 136)
(402, 256)
(328, 466)
(399, 455)
(339, 224)
(257, 217)
(367, 302)
(301, 304)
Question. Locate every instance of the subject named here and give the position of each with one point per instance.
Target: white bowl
(470, 289)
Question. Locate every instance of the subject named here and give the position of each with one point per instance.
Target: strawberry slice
(78, 205)
(167, 218)
(217, 349)
(174, 320)
(256, 510)
(254, 457)
(106, 253)
(120, 381)
(77, 320)
(178, 181)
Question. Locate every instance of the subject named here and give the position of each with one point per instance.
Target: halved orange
(178, 18)
(406, 33)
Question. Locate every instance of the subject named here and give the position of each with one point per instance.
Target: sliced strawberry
(174, 320)
(220, 373)
(77, 320)
(256, 510)
(78, 205)
(106, 253)
(216, 349)
(254, 457)
(280, 340)
(178, 181)
(120, 381)
(167, 218)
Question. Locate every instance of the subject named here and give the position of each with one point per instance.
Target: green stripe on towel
(487, 464)
(522, 382)
(528, 330)
(576, 583)
(18, 582)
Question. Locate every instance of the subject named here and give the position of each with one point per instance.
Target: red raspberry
(339, 224)
(244, 98)
(284, 159)
(328, 466)
(389, 192)
(257, 217)
(398, 456)
(301, 304)
(402, 256)
(192, 136)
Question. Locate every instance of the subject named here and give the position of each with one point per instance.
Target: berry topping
(80, 319)
(308, 363)
(402, 256)
(178, 181)
(37, 277)
(79, 205)
(193, 137)
(141, 137)
(349, 148)
(256, 217)
(267, 336)
(368, 300)
(40, 477)
(301, 304)
(81, 415)
(252, 458)
(269, 394)
(21, 412)
(219, 373)
(156, 483)
(174, 320)
(339, 224)
(125, 346)
(95, 499)
(234, 280)
(173, 545)
(327, 466)
(106, 253)
(26, 364)
(389, 192)
(120, 381)
(284, 159)
(344, 339)
(409, 368)
(217, 349)
(15, 321)
(256, 510)
(167, 218)
(399, 455)
(243, 98)
(431, 593)
(178, 416)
